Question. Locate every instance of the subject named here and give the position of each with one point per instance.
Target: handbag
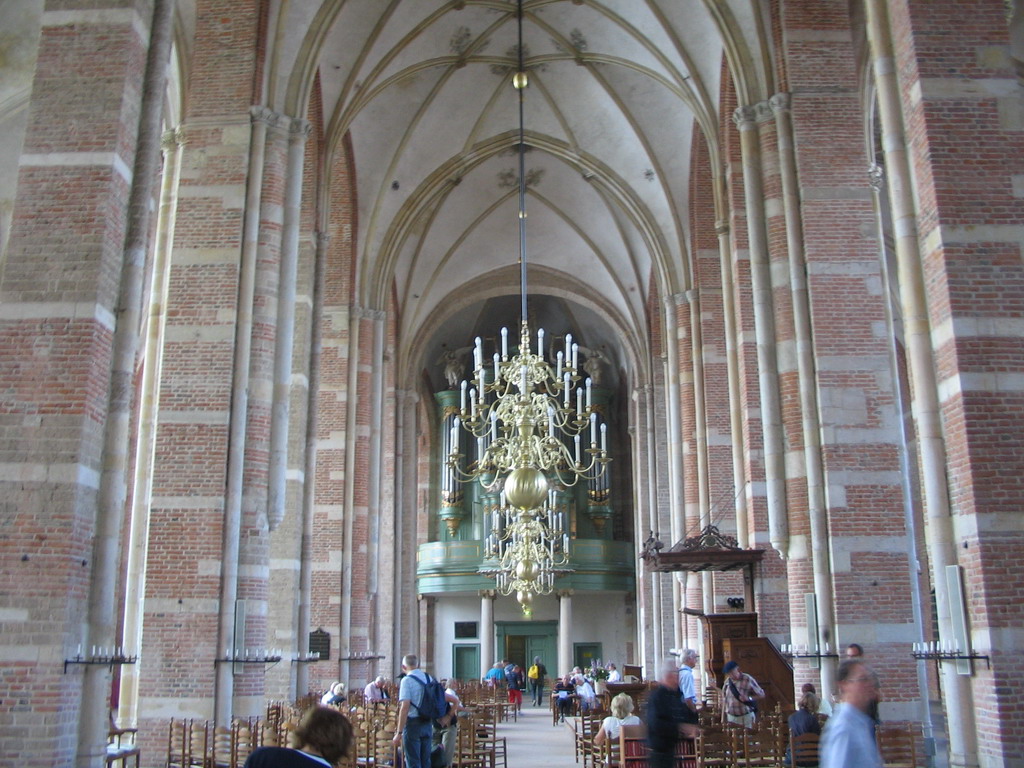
(750, 704)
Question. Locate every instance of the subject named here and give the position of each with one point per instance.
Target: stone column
(564, 631)
(149, 395)
(305, 596)
(281, 403)
(732, 341)
(921, 364)
(764, 329)
(821, 562)
(486, 630)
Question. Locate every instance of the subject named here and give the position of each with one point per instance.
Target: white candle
(472, 404)
(568, 349)
(540, 343)
(604, 438)
(593, 430)
(565, 384)
(478, 352)
(575, 355)
(462, 404)
(579, 401)
(497, 371)
(551, 421)
(589, 382)
(558, 362)
(576, 440)
(504, 343)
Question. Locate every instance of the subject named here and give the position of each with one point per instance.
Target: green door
(585, 653)
(520, 641)
(466, 661)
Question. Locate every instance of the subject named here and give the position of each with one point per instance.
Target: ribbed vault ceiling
(423, 87)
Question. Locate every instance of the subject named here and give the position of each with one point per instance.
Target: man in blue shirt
(849, 737)
(686, 685)
(414, 733)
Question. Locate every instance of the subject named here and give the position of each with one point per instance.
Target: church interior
(282, 283)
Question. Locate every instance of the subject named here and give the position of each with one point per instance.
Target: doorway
(586, 654)
(466, 661)
(521, 641)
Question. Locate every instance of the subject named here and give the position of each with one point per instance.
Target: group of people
(847, 741)
(324, 735)
(511, 676)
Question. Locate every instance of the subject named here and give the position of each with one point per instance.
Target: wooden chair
(469, 750)
(686, 754)
(121, 745)
(633, 746)
(760, 748)
(803, 750)
(587, 726)
(719, 746)
(898, 745)
(178, 744)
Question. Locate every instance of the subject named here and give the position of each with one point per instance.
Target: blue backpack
(433, 705)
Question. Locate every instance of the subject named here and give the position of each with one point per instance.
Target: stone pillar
(486, 630)
(821, 562)
(922, 364)
(764, 329)
(135, 584)
(565, 662)
(63, 263)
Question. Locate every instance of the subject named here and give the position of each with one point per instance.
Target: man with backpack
(536, 675)
(421, 700)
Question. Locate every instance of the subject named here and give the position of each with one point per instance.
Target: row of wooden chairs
(197, 744)
(728, 746)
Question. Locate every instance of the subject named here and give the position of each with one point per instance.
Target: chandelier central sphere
(526, 487)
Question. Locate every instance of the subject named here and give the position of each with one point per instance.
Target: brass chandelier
(537, 434)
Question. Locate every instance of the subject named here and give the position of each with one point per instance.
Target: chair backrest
(803, 750)
(633, 746)
(897, 743)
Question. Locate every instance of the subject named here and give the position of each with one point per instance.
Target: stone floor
(534, 743)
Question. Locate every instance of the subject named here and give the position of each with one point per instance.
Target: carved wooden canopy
(710, 550)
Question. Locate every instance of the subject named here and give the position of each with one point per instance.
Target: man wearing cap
(741, 695)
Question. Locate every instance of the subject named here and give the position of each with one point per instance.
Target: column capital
(323, 239)
(365, 313)
(488, 594)
(564, 593)
(172, 139)
(745, 118)
(721, 227)
(300, 129)
(675, 299)
(780, 102)
(763, 112)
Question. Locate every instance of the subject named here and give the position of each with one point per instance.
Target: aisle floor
(534, 743)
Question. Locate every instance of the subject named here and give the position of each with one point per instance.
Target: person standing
(666, 714)
(495, 676)
(414, 733)
(741, 695)
(537, 673)
(849, 737)
(515, 681)
(687, 688)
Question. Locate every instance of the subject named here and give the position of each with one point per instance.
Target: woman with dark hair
(322, 738)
